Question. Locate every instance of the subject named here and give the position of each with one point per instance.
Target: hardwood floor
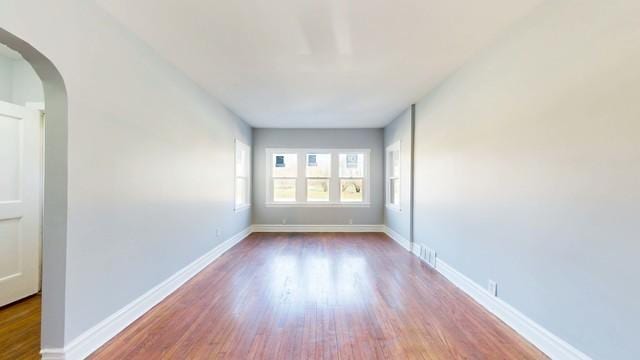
(20, 330)
(318, 296)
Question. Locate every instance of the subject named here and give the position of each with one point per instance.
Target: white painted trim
(317, 228)
(319, 204)
(92, 339)
(398, 238)
(550, 344)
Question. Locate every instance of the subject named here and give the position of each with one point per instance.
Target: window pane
(241, 161)
(318, 190)
(394, 192)
(318, 165)
(284, 190)
(395, 163)
(351, 165)
(241, 191)
(285, 165)
(351, 190)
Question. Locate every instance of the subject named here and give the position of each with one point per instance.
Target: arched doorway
(54, 219)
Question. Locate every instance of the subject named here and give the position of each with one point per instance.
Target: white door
(20, 201)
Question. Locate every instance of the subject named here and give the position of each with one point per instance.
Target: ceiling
(317, 63)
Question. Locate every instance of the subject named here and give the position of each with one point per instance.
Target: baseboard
(398, 238)
(92, 339)
(317, 228)
(547, 342)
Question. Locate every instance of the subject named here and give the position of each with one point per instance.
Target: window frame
(334, 179)
(394, 147)
(240, 145)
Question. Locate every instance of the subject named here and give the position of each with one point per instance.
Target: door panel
(20, 194)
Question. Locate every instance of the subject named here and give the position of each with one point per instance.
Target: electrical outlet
(218, 232)
(492, 288)
(284, 221)
(350, 221)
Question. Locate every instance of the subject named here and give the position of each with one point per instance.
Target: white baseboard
(398, 238)
(547, 342)
(92, 339)
(317, 228)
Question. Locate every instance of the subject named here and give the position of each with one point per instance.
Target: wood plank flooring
(318, 296)
(20, 330)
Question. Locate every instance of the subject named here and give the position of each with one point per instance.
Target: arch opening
(54, 218)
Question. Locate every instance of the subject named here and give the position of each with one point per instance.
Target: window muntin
(243, 175)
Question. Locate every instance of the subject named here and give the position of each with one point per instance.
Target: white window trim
(247, 205)
(391, 148)
(334, 180)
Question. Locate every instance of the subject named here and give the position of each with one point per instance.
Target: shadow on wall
(55, 190)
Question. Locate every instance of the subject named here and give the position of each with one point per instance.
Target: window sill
(242, 208)
(394, 208)
(320, 205)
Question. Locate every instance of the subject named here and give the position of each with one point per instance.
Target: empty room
(319, 179)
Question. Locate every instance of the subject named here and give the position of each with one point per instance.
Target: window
(393, 176)
(318, 177)
(285, 172)
(243, 176)
(325, 177)
(351, 177)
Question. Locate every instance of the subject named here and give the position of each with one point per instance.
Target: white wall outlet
(492, 288)
(284, 221)
(218, 232)
(350, 221)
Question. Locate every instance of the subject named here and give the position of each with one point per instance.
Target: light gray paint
(19, 83)
(400, 130)
(527, 172)
(150, 164)
(318, 138)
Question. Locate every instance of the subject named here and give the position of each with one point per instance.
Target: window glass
(284, 190)
(317, 189)
(351, 190)
(394, 191)
(318, 165)
(395, 164)
(351, 165)
(285, 165)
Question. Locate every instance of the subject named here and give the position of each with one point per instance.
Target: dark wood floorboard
(20, 330)
(318, 296)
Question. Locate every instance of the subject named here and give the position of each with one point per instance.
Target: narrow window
(393, 176)
(243, 176)
(351, 177)
(284, 173)
(318, 175)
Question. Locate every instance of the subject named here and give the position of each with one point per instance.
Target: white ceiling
(317, 63)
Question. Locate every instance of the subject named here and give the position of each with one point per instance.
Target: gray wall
(150, 162)
(318, 138)
(400, 130)
(19, 83)
(527, 172)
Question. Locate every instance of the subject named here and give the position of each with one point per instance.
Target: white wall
(19, 83)
(400, 130)
(318, 138)
(150, 162)
(527, 172)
